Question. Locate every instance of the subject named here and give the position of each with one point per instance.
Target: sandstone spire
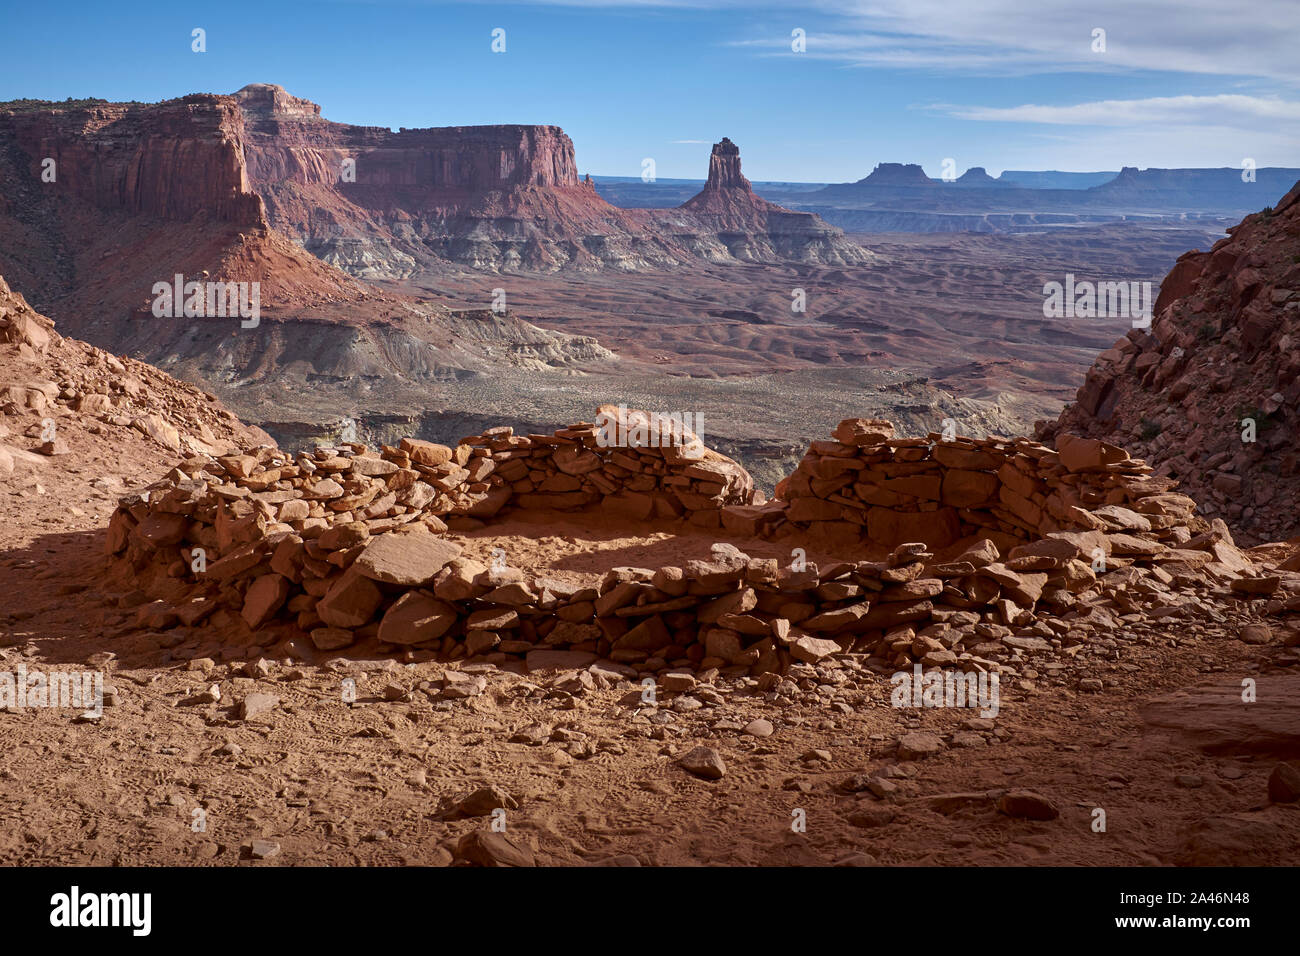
(724, 167)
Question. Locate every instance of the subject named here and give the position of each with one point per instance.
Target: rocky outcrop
(724, 168)
(1211, 392)
(377, 203)
(103, 200)
(55, 390)
(287, 142)
(753, 228)
(142, 193)
(385, 204)
(172, 160)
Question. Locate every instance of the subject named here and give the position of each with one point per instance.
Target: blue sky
(994, 83)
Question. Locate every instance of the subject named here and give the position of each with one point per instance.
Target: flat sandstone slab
(1214, 718)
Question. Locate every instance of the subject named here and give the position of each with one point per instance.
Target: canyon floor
(938, 326)
(1147, 725)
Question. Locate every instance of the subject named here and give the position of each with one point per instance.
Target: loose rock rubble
(1013, 551)
(49, 383)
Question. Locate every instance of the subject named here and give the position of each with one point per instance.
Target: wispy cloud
(1223, 110)
(1167, 131)
(1010, 37)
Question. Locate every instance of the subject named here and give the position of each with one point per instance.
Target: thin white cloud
(1015, 37)
(1223, 109)
(1010, 37)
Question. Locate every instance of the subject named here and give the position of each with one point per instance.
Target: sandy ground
(590, 773)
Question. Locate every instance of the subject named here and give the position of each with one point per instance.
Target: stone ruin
(956, 553)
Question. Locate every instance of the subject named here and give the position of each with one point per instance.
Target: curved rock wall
(346, 545)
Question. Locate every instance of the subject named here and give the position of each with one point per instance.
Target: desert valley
(332, 452)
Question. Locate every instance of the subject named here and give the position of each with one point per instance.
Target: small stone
(1189, 781)
(1027, 805)
(1284, 784)
(255, 704)
(677, 681)
(1255, 634)
(458, 685)
(762, 727)
(488, 848)
(210, 696)
(881, 787)
(914, 746)
(264, 849)
(331, 638)
(812, 649)
(483, 801)
(872, 817)
(704, 762)
(534, 735)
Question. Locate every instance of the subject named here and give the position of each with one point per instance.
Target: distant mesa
(899, 197)
(897, 174)
(978, 176)
(1054, 178)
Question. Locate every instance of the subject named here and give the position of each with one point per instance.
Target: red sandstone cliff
(1223, 349)
(138, 193)
(502, 197)
(372, 201)
(172, 160)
